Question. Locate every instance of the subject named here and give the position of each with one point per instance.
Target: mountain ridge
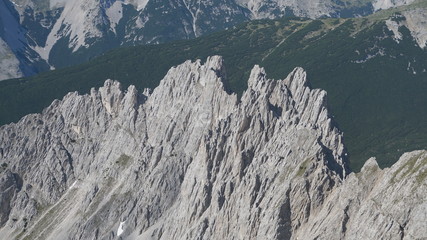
(188, 160)
(372, 106)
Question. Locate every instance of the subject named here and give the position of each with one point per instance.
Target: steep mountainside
(64, 33)
(17, 59)
(373, 68)
(190, 161)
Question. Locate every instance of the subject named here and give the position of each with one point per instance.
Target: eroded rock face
(415, 21)
(376, 204)
(190, 161)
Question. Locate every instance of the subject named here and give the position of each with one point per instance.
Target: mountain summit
(190, 161)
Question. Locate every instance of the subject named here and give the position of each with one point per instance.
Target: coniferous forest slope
(50, 34)
(375, 75)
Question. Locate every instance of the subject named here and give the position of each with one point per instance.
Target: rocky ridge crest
(190, 161)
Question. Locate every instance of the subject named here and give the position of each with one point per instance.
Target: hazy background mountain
(58, 33)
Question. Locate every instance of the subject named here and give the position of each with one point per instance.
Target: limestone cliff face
(376, 204)
(190, 161)
(386, 4)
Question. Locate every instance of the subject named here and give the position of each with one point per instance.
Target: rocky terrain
(17, 58)
(191, 161)
(385, 4)
(415, 21)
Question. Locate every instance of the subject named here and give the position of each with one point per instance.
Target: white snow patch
(73, 185)
(120, 230)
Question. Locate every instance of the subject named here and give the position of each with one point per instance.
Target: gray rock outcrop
(415, 21)
(386, 4)
(190, 161)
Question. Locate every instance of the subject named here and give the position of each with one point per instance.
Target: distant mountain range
(36, 36)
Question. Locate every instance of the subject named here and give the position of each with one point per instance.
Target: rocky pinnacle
(190, 161)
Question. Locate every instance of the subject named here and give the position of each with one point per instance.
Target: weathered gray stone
(190, 161)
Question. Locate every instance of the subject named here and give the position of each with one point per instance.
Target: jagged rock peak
(190, 161)
(188, 152)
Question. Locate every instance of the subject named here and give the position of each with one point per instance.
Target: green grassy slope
(378, 101)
